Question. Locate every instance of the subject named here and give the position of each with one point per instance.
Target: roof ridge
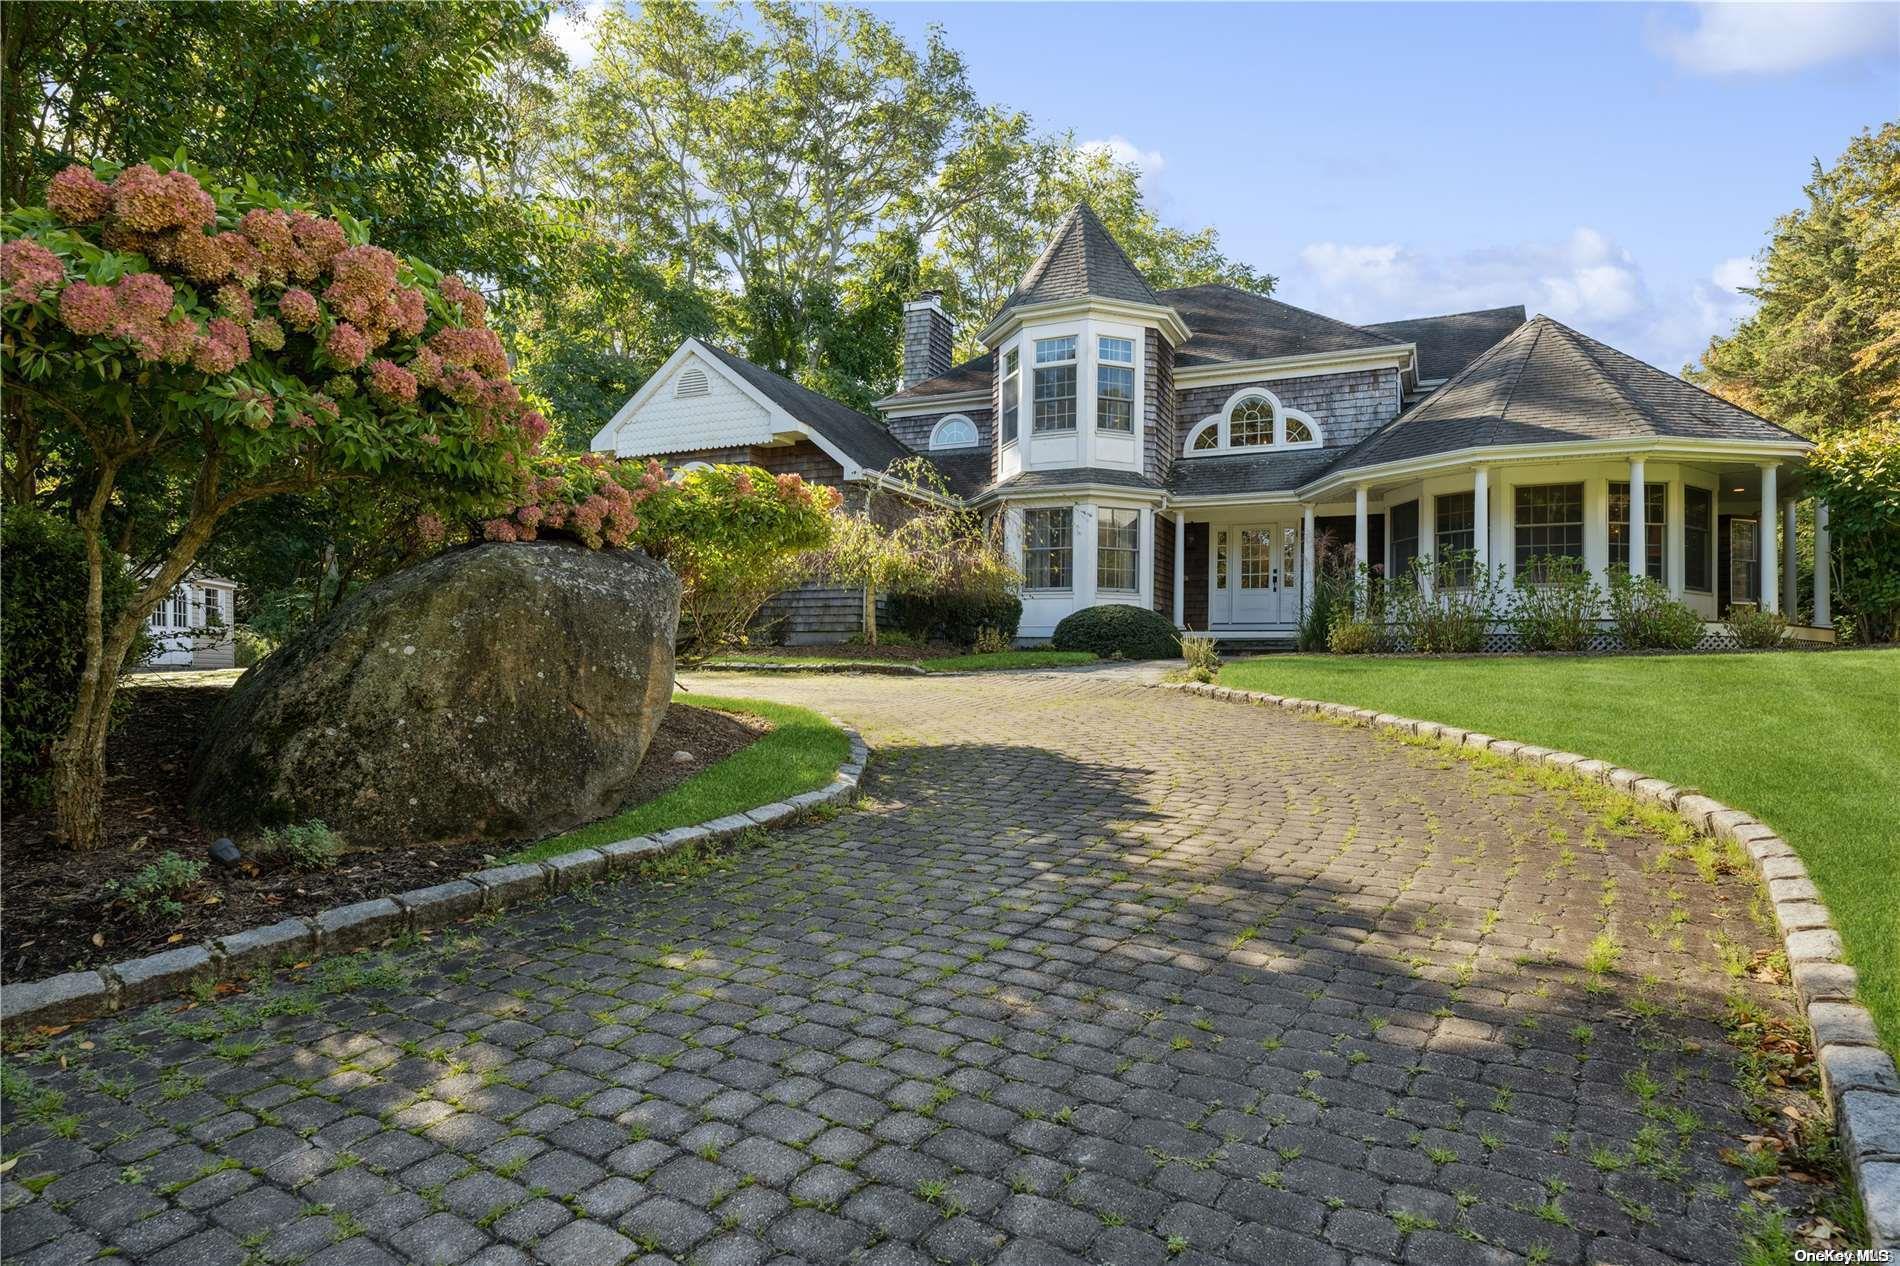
(1086, 214)
(1583, 344)
(1523, 363)
(1267, 298)
(1442, 316)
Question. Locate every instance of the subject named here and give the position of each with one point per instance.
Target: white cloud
(1586, 280)
(572, 27)
(1774, 39)
(1148, 161)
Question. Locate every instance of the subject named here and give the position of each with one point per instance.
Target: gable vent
(691, 383)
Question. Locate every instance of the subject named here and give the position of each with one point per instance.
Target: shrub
(156, 889)
(956, 616)
(1646, 617)
(1755, 627)
(1444, 606)
(43, 639)
(1350, 635)
(248, 646)
(1203, 660)
(991, 641)
(1117, 631)
(1557, 605)
(308, 846)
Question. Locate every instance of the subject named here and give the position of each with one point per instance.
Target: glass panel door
(1744, 561)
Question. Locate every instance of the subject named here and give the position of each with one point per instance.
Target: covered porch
(1716, 529)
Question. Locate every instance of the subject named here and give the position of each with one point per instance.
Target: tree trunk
(870, 614)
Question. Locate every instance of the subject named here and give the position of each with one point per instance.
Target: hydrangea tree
(156, 322)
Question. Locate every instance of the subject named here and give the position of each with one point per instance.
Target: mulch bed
(54, 904)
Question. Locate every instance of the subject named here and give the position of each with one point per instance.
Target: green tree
(246, 347)
(1822, 350)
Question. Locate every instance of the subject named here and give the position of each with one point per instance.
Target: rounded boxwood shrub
(43, 638)
(957, 618)
(1117, 631)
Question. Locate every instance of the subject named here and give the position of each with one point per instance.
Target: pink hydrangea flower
(225, 347)
(319, 240)
(144, 297)
(346, 346)
(427, 367)
(77, 196)
(267, 334)
(466, 299)
(391, 383)
(147, 202)
(500, 530)
(88, 309)
(298, 307)
(179, 339)
(430, 528)
(29, 270)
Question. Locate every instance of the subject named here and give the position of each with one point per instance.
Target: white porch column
(1674, 552)
(1360, 540)
(1638, 525)
(1770, 591)
(1307, 568)
(1823, 569)
(1790, 590)
(1481, 521)
(1180, 569)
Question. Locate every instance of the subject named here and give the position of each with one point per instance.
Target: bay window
(1048, 548)
(1012, 394)
(1549, 523)
(1054, 385)
(1117, 549)
(1455, 532)
(1115, 384)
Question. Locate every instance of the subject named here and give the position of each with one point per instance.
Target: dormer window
(1115, 384)
(955, 431)
(1054, 385)
(1253, 418)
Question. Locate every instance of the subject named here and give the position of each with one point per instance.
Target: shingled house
(1186, 449)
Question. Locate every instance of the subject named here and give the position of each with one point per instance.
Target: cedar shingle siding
(1348, 406)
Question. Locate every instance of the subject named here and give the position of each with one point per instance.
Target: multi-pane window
(1220, 560)
(1012, 395)
(1055, 385)
(1117, 549)
(1404, 537)
(1251, 424)
(181, 608)
(1206, 440)
(1698, 508)
(1454, 533)
(214, 608)
(1297, 431)
(1256, 558)
(1048, 549)
(1655, 513)
(1549, 521)
(1744, 561)
(1115, 384)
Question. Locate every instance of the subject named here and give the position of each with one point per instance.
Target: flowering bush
(250, 346)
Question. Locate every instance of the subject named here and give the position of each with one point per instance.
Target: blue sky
(1614, 166)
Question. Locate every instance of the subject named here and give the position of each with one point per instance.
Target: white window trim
(1007, 376)
(1222, 424)
(1074, 361)
(1134, 589)
(937, 443)
(1040, 591)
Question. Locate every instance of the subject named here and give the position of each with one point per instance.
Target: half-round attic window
(955, 431)
(691, 383)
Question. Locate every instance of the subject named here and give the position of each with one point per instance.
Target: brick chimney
(928, 338)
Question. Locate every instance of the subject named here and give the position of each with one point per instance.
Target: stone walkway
(1094, 973)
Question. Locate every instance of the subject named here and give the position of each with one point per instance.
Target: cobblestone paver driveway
(1094, 973)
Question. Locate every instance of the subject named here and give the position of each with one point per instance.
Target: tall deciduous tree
(1822, 350)
(246, 347)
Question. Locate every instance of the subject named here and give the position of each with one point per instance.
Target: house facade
(1193, 450)
(191, 628)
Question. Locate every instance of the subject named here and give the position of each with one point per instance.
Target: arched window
(1251, 424)
(691, 383)
(955, 431)
(1299, 428)
(1206, 437)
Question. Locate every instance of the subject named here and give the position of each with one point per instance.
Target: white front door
(1254, 575)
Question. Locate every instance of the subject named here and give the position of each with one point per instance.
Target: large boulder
(499, 693)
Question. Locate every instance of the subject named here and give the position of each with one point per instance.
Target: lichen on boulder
(495, 693)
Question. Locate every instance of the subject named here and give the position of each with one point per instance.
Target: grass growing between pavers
(801, 753)
(1807, 741)
(998, 661)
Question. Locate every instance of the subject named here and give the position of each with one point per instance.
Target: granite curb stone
(1857, 1075)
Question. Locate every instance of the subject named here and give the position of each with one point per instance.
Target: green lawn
(1807, 741)
(801, 753)
(1007, 659)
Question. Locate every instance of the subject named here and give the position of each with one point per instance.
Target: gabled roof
(1082, 260)
(1232, 324)
(1446, 344)
(863, 439)
(1547, 383)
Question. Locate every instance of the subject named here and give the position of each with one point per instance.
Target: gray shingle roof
(1251, 472)
(1082, 259)
(1230, 324)
(1446, 344)
(1039, 480)
(965, 473)
(1547, 383)
(972, 375)
(863, 439)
